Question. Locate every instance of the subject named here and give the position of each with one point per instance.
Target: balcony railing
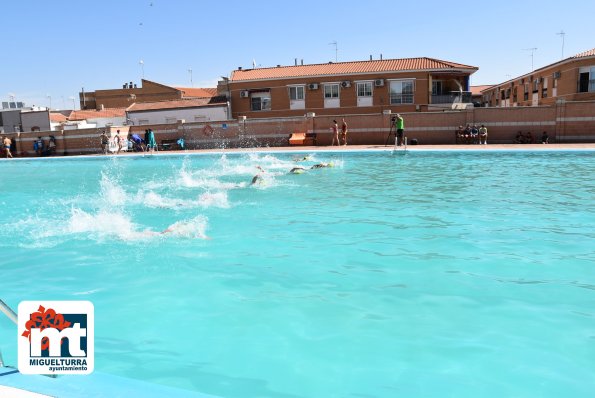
(401, 98)
(454, 97)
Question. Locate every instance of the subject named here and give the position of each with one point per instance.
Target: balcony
(396, 99)
(454, 97)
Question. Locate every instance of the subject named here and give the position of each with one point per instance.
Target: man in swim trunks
(344, 132)
(104, 142)
(297, 170)
(7, 142)
(335, 130)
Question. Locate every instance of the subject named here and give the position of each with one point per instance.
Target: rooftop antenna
(191, 83)
(334, 43)
(253, 63)
(562, 33)
(532, 49)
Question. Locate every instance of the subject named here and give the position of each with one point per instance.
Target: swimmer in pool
(257, 179)
(305, 158)
(322, 165)
(297, 170)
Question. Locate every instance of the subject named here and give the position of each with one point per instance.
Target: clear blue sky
(57, 47)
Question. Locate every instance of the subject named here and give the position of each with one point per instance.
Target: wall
(567, 84)
(564, 122)
(210, 113)
(314, 99)
(123, 98)
(40, 119)
(10, 120)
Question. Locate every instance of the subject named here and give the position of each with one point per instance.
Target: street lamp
(142, 68)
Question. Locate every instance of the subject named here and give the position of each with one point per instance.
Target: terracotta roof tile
(56, 117)
(197, 92)
(94, 114)
(175, 104)
(588, 53)
(346, 68)
(476, 90)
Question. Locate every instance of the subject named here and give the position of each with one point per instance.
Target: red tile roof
(197, 92)
(94, 114)
(175, 104)
(56, 117)
(476, 90)
(347, 68)
(588, 53)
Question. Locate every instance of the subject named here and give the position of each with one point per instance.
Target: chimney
(381, 56)
(370, 57)
(130, 85)
(278, 66)
(302, 61)
(295, 59)
(125, 85)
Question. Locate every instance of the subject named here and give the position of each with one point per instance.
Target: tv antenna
(334, 43)
(532, 49)
(562, 34)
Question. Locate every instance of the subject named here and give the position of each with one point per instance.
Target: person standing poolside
(151, 143)
(400, 127)
(335, 130)
(104, 142)
(544, 138)
(483, 135)
(7, 142)
(344, 131)
(119, 140)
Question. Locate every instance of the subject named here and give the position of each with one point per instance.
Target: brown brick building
(572, 79)
(148, 92)
(360, 87)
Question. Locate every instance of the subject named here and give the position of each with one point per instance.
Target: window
(437, 87)
(526, 93)
(364, 89)
(514, 94)
(536, 85)
(170, 120)
(331, 91)
(401, 92)
(296, 92)
(260, 101)
(586, 80)
(544, 88)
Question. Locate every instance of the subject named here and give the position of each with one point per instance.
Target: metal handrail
(8, 312)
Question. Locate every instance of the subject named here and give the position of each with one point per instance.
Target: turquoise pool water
(430, 274)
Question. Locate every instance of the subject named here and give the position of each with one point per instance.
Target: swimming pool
(422, 274)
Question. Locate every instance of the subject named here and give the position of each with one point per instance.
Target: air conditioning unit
(313, 86)
(379, 82)
(346, 84)
(557, 75)
(244, 94)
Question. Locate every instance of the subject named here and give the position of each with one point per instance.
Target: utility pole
(336, 49)
(532, 49)
(562, 34)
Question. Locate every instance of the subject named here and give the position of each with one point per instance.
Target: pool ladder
(12, 316)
